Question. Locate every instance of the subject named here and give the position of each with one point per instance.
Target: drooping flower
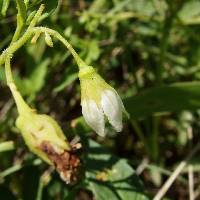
(99, 99)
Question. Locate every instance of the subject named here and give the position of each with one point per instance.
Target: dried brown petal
(66, 163)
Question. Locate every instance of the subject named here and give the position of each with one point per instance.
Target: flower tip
(118, 128)
(101, 133)
(100, 130)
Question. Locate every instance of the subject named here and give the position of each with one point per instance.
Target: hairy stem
(21, 18)
(57, 35)
(22, 107)
(16, 45)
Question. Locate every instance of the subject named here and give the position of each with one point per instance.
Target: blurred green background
(149, 51)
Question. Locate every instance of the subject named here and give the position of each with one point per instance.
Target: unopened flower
(45, 138)
(98, 99)
(37, 129)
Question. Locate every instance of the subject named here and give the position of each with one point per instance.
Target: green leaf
(67, 80)
(38, 75)
(35, 81)
(97, 5)
(190, 12)
(50, 6)
(174, 97)
(143, 7)
(109, 177)
(93, 51)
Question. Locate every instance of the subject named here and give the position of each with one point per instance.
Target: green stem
(44, 180)
(18, 29)
(16, 45)
(57, 35)
(40, 190)
(6, 146)
(31, 30)
(7, 54)
(18, 167)
(154, 138)
(10, 170)
(167, 26)
(21, 18)
(5, 5)
(22, 107)
(168, 23)
(163, 47)
(140, 134)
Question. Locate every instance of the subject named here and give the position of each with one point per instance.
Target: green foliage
(32, 84)
(165, 99)
(149, 51)
(110, 177)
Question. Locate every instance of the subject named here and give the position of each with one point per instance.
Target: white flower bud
(99, 99)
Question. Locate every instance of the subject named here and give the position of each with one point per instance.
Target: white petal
(112, 107)
(93, 116)
(122, 105)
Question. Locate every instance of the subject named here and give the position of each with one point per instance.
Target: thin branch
(6, 146)
(191, 182)
(21, 18)
(44, 181)
(175, 174)
(57, 35)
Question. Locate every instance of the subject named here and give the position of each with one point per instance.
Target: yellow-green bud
(48, 40)
(37, 129)
(45, 138)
